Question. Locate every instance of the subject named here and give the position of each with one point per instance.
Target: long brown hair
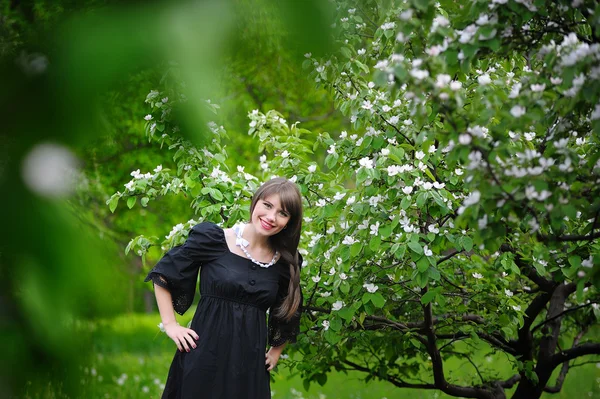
(287, 240)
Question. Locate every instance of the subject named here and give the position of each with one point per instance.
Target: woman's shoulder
(208, 231)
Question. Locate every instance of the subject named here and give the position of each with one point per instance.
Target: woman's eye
(267, 205)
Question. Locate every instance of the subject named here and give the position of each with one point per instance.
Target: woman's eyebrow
(282, 209)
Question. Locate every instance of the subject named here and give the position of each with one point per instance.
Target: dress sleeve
(177, 270)
(281, 330)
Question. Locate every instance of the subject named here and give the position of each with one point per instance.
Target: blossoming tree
(460, 217)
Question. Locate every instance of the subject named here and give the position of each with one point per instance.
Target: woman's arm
(183, 337)
(272, 356)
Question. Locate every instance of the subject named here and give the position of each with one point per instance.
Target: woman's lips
(265, 225)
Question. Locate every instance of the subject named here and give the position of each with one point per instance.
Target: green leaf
(335, 323)
(346, 52)
(344, 287)
(144, 201)
(131, 202)
(114, 201)
(422, 264)
(332, 337)
(385, 231)
(415, 247)
(421, 279)
(216, 194)
(400, 252)
(346, 313)
(355, 249)
(421, 4)
(306, 383)
(375, 243)
(428, 297)
(467, 243)
(575, 261)
(378, 300)
(321, 379)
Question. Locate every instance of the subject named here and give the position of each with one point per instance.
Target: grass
(130, 359)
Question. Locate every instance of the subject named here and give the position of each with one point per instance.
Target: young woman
(244, 271)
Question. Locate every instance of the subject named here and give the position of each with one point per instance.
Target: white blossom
(455, 85)
(393, 170)
(372, 288)
(538, 87)
(366, 163)
(407, 190)
(348, 240)
(337, 305)
(339, 196)
(312, 168)
(517, 111)
(374, 229)
(406, 15)
(148, 117)
(589, 262)
(427, 251)
(464, 139)
(595, 113)
(472, 198)
(484, 79)
(477, 275)
(325, 325)
(419, 74)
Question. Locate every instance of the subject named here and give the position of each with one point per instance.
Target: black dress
(229, 360)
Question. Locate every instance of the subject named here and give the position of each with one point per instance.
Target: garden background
(447, 153)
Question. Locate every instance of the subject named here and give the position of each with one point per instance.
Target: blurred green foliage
(75, 74)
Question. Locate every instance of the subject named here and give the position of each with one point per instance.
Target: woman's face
(269, 217)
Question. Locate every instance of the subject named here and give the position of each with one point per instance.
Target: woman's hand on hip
(183, 337)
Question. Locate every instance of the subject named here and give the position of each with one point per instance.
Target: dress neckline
(233, 253)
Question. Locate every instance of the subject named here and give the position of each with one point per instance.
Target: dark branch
(511, 381)
(449, 256)
(394, 380)
(575, 352)
(560, 315)
(588, 237)
(466, 356)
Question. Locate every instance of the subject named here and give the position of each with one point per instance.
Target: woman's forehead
(275, 199)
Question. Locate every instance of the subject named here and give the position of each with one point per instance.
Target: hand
(183, 337)
(271, 358)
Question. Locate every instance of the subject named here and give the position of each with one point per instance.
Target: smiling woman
(222, 354)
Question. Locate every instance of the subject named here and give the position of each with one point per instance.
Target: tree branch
(560, 315)
(565, 367)
(588, 237)
(575, 352)
(511, 381)
(466, 356)
(396, 381)
(449, 256)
